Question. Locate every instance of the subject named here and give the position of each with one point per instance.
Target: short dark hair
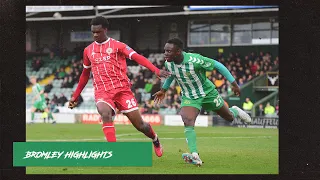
(100, 20)
(177, 42)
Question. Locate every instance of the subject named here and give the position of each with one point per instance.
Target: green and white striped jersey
(36, 89)
(191, 75)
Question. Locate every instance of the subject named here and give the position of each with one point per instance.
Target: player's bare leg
(145, 128)
(226, 114)
(32, 110)
(189, 115)
(230, 114)
(50, 115)
(107, 124)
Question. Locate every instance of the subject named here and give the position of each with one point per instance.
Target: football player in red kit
(106, 59)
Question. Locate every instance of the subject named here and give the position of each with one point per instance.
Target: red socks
(109, 132)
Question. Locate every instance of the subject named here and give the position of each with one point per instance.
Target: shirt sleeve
(126, 50)
(209, 64)
(167, 83)
(224, 71)
(206, 63)
(169, 80)
(86, 61)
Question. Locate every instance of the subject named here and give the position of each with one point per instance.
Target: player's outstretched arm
(146, 63)
(226, 73)
(85, 75)
(83, 80)
(159, 96)
(131, 54)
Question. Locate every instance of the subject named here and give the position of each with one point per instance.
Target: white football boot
(192, 159)
(243, 115)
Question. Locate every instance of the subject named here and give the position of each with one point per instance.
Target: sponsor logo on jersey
(187, 102)
(100, 59)
(207, 64)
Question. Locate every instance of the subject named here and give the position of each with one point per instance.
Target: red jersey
(108, 64)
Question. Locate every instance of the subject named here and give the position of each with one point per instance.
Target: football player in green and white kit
(197, 91)
(38, 101)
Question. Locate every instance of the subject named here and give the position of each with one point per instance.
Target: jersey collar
(184, 55)
(102, 42)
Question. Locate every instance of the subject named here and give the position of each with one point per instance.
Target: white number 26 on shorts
(131, 103)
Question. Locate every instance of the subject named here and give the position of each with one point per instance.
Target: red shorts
(120, 98)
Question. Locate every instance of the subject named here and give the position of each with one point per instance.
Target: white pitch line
(144, 139)
(57, 140)
(227, 137)
(127, 134)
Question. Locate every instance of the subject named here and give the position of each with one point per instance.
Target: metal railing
(248, 84)
(263, 100)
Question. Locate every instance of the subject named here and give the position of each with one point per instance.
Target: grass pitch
(225, 150)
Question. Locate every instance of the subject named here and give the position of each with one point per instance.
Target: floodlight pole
(96, 10)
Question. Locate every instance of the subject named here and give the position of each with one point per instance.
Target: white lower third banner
(176, 120)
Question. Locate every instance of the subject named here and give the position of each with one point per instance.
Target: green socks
(32, 116)
(191, 138)
(191, 134)
(234, 112)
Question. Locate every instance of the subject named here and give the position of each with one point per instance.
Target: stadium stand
(144, 83)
